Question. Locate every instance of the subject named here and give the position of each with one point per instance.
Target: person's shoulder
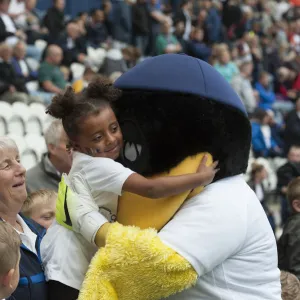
(292, 226)
(287, 166)
(34, 171)
(230, 188)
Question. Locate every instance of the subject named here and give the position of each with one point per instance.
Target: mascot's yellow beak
(155, 213)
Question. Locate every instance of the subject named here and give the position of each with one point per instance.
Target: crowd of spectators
(254, 44)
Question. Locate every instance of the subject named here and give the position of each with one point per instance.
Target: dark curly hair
(72, 108)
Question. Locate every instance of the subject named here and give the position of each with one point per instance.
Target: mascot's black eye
(135, 151)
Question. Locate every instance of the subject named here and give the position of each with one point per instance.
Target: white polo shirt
(28, 237)
(225, 235)
(65, 254)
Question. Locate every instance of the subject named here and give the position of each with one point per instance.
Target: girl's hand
(207, 172)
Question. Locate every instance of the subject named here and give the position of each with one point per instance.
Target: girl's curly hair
(71, 108)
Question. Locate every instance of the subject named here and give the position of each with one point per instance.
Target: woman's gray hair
(7, 143)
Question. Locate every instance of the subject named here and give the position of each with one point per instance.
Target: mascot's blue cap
(180, 73)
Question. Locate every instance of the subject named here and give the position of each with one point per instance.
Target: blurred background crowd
(254, 44)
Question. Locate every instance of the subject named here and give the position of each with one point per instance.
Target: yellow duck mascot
(173, 109)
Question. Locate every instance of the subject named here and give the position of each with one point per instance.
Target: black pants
(59, 291)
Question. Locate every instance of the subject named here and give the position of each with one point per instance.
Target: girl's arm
(169, 186)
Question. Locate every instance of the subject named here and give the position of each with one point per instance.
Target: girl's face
(100, 135)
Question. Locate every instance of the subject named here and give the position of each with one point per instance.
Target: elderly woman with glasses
(13, 193)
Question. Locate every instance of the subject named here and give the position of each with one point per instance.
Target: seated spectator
(141, 25)
(40, 206)
(166, 42)
(225, 66)
(82, 83)
(32, 28)
(54, 20)
(242, 85)
(197, 47)
(266, 95)
(50, 77)
(285, 174)
(292, 129)
(32, 284)
(20, 65)
(119, 60)
(47, 173)
(73, 45)
(277, 129)
(288, 83)
(12, 87)
(262, 140)
(289, 242)
(290, 286)
(9, 33)
(258, 175)
(96, 30)
(10, 243)
(184, 15)
(178, 33)
(82, 21)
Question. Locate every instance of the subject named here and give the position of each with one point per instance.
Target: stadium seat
(5, 115)
(38, 109)
(77, 70)
(29, 159)
(20, 141)
(96, 56)
(32, 86)
(37, 143)
(33, 64)
(36, 118)
(41, 44)
(21, 109)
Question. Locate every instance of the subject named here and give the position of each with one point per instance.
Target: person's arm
(49, 87)
(169, 186)
(148, 257)
(158, 16)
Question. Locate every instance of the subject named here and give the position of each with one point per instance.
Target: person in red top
(289, 83)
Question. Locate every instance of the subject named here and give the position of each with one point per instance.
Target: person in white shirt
(96, 138)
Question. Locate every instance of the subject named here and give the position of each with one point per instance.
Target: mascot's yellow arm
(135, 264)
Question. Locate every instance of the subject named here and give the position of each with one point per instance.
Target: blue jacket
(16, 65)
(32, 283)
(214, 26)
(258, 141)
(267, 97)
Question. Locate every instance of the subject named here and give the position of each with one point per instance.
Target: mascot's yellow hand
(135, 264)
